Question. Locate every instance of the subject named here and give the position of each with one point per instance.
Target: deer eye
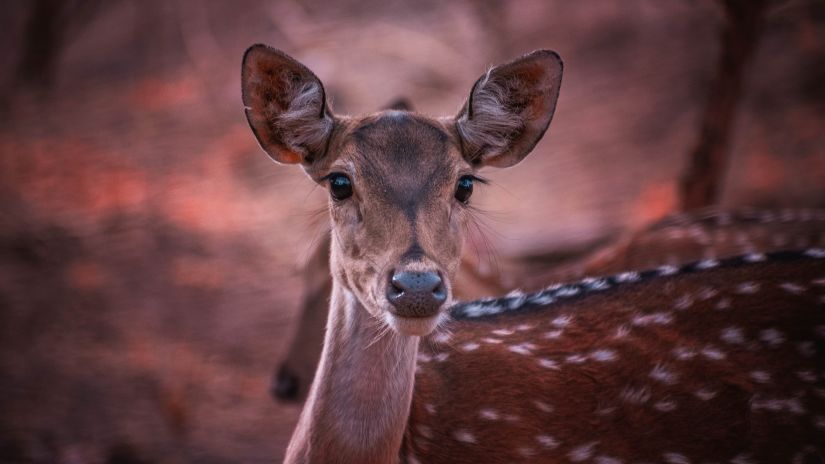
(340, 187)
(464, 189)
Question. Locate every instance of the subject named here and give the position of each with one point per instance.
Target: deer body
(711, 363)
(400, 185)
(674, 241)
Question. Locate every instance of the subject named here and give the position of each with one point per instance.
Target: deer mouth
(413, 326)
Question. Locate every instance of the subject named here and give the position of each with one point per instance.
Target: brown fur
(617, 404)
(402, 214)
(675, 241)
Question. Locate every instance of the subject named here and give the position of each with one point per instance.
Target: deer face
(399, 183)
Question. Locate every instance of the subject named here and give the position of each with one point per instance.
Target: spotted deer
(676, 240)
(717, 361)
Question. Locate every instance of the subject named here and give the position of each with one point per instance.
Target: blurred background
(149, 250)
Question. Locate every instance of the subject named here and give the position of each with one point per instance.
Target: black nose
(285, 385)
(416, 294)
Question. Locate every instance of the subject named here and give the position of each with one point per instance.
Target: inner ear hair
(285, 106)
(509, 109)
(490, 122)
(301, 126)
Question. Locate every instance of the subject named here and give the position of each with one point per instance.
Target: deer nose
(416, 294)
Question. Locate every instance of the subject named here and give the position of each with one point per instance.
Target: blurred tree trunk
(47, 31)
(701, 183)
(42, 43)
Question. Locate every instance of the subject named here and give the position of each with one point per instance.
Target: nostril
(440, 293)
(396, 289)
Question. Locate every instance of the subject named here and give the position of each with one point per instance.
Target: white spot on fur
(430, 408)
(524, 327)
(470, 346)
(667, 270)
(503, 332)
(705, 394)
(772, 337)
(562, 321)
(605, 410)
(442, 338)
(760, 376)
(791, 405)
(815, 252)
(683, 303)
(575, 359)
(553, 334)
(548, 363)
(707, 293)
(489, 414)
(567, 291)
(665, 405)
(707, 264)
(596, 284)
(792, 288)
(755, 257)
(603, 355)
(542, 406)
(424, 358)
(713, 353)
(733, 335)
(622, 331)
(659, 318)
(747, 288)
(541, 299)
(477, 309)
(516, 299)
(547, 441)
(742, 459)
(662, 374)
(606, 460)
(424, 431)
(683, 354)
(723, 304)
(675, 458)
(583, 452)
(635, 395)
(820, 281)
(464, 436)
(441, 357)
(522, 348)
(628, 277)
(492, 341)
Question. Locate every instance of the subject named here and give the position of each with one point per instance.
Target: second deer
(716, 361)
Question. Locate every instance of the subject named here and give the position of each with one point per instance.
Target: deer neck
(359, 402)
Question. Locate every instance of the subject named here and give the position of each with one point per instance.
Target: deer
(719, 360)
(675, 240)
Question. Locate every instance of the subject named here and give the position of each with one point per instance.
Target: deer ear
(509, 109)
(285, 106)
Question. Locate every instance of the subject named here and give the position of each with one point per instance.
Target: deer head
(399, 182)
